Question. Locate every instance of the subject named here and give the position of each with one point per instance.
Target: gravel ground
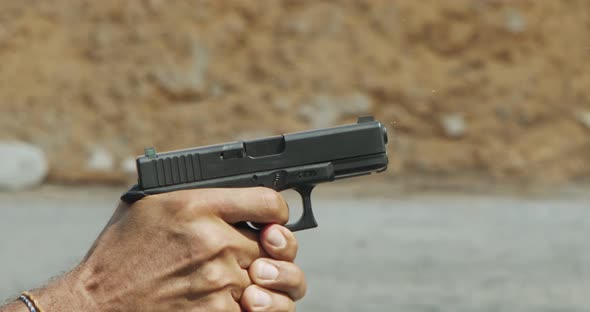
(416, 254)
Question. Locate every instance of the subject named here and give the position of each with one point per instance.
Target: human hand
(278, 282)
(181, 251)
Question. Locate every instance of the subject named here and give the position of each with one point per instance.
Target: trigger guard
(307, 219)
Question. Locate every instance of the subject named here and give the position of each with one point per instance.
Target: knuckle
(294, 275)
(216, 245)
(292, 243)
(302, 285)
(231, 250)
(213, 277)
(236, 289)
(284, 304)
(293, 279)
(210, 237)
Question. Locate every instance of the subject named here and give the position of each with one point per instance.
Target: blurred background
(484, 206)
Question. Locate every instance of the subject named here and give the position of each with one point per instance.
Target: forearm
(64, 294)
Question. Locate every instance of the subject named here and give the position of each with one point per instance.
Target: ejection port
(232, 150)
(265, 147)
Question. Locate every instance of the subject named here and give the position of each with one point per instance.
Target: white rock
(252, 135)
(184, 80)
(355, 103)
(584, 118)
(216, 90)
(22, 165)
(325, 110)
(320, 112)
(100, 159)
(515, 23)
(454, 125)
(128, 165)
(282, 104)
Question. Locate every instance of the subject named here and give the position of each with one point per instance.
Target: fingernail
(261, 298)
(276, 238)
(267, 271)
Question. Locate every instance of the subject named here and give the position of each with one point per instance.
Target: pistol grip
(307, 220)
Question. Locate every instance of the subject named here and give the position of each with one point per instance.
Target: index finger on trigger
(255, 204)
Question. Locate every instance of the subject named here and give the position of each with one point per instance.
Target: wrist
(15, 306)
(66, 293)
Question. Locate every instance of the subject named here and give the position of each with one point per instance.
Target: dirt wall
(498, 89)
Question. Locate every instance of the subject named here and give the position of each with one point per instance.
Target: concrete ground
(423, 253)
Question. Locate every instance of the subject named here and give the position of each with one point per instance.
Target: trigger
(307, 220)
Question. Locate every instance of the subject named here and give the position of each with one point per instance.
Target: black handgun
(296, 161)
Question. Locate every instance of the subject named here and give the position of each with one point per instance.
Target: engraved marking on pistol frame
(307, 174)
